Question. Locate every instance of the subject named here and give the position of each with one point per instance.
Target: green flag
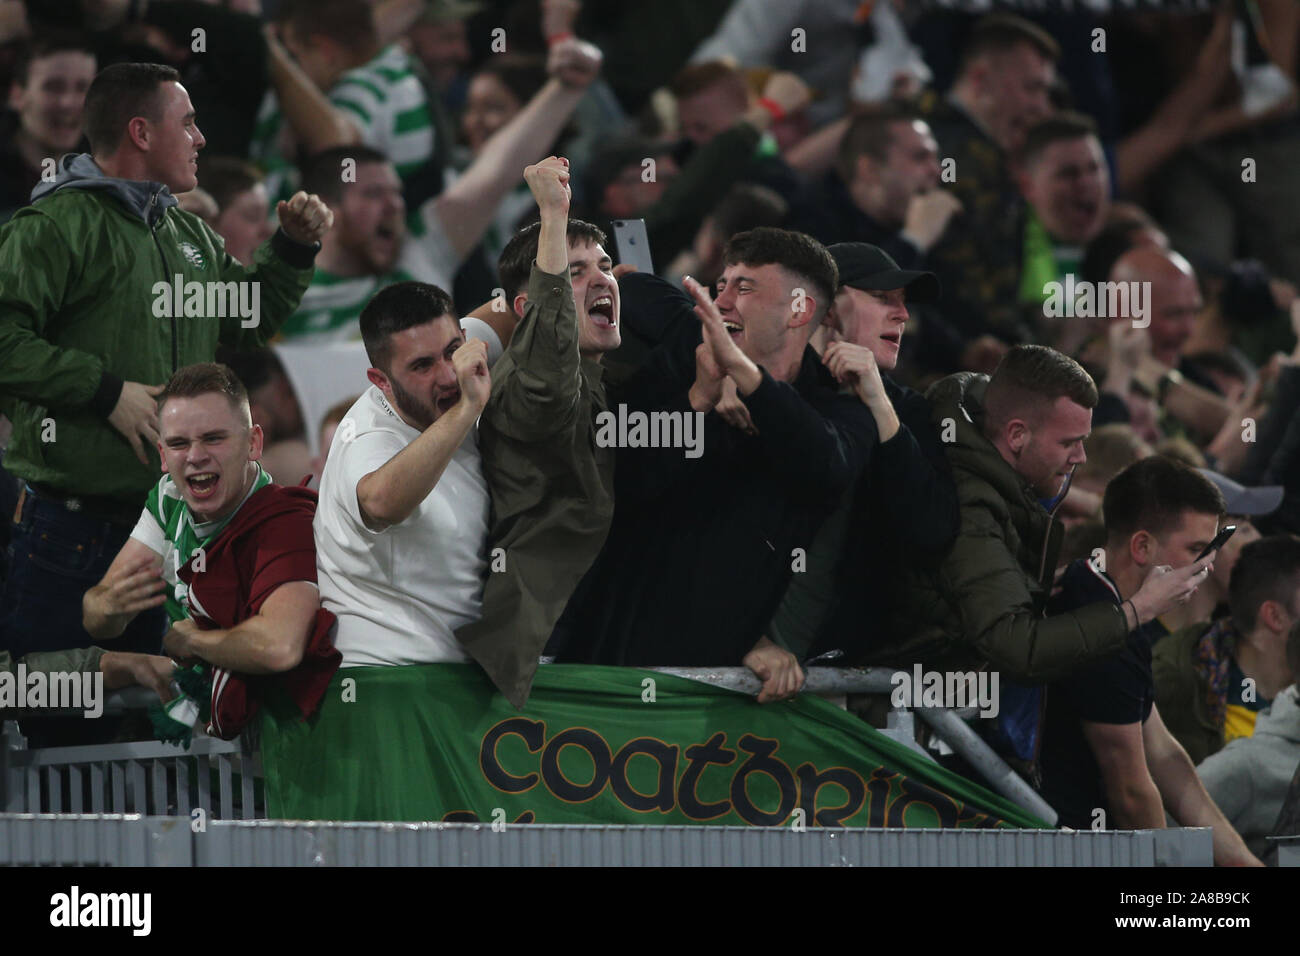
(599, 745)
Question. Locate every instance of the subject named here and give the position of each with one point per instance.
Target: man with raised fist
(403, 513)
(552, 485)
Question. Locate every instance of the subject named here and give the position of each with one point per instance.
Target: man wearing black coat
(903, 510)
(701, 547)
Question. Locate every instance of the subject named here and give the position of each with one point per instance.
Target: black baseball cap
(870, 268)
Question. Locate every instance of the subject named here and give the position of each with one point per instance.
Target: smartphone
(1218, 541)
(633, 244)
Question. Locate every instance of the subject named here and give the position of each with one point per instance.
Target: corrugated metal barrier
(147, 778)
(91, 840)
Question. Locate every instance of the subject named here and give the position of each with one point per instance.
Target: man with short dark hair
(228, 552)
(701, 547)
(884, 188)
(1013, 440)
(714, 96)
(403, 512)
(111, 311)
(552, 486)
(1213, 679)
(711, 96)
(1107, 758)
(1063, 176)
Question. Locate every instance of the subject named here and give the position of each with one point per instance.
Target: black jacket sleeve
(915, 500)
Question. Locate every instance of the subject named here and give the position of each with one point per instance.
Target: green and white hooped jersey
(383, 97)
(388, 102)
(330, 310)
(167, 527)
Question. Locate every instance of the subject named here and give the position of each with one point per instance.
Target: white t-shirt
(399, 594)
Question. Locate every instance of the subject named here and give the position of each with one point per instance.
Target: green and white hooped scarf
(174, 721)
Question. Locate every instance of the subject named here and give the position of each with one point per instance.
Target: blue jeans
(55, 557)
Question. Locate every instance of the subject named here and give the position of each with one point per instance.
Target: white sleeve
(475, 328)
(150, 533)
(431, 253)
(358, 458)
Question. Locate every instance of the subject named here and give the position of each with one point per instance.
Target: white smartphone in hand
(633, 244)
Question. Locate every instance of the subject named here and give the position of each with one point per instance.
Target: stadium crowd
(959, 339)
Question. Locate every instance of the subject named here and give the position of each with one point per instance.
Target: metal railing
(219, 777)
(947, 724)
(126, 804)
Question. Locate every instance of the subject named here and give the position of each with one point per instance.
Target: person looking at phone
(1107, 758)
(1013, 441)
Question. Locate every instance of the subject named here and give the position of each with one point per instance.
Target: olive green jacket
(985, 603)
(75, 660)
(1182, 694)
(551, 485)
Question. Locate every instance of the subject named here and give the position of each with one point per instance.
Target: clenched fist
(304, 218)
(549, 182)
(787, 91)
(470, 363)
(574, 62)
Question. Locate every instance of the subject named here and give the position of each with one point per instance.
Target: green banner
(599, 745)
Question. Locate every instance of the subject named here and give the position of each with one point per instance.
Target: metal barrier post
(880, 680)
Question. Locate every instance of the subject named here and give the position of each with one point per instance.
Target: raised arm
(809, 448)
(465, 210)
(282, 270)
(391, 493)
(537, 381)
(317, 123)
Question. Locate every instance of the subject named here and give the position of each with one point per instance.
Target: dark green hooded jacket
(81, 312)
(985, 602)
